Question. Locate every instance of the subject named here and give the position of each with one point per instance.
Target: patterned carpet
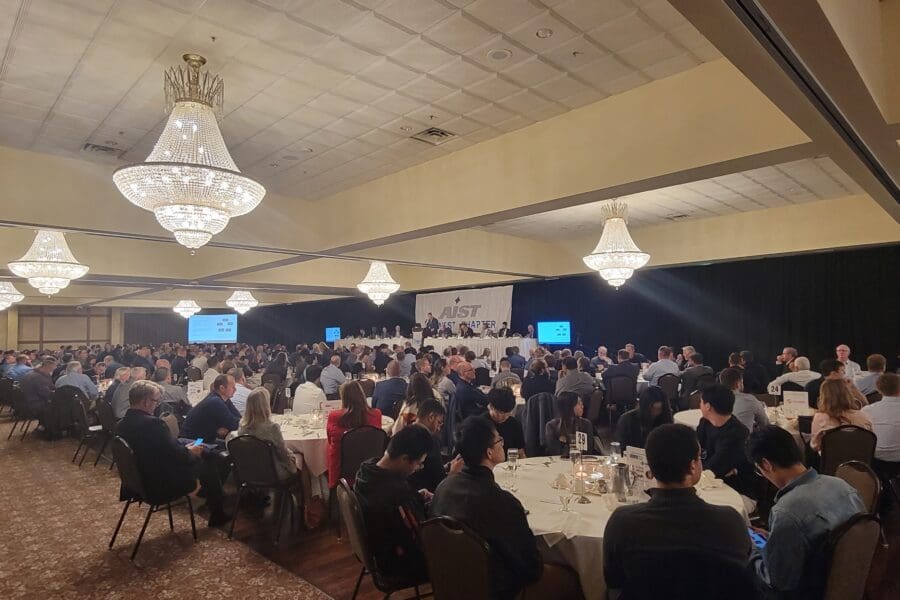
(56, 521)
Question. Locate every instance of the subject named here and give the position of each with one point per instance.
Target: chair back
(864, 480)
(594, 406)
(352, 518)
(368, 387)
(254, 461)
(452, 549)
(126, 462)
(769, 399)
(19, 403)
(482, 376)
(518, 371)
(711, 576)
(107, 417)
(846, 443)
(279, 401)
(358, 445)
(873, 397)
(193, 374)
(694, 400)
(6, 387)
(705, 380)
(621, 390)
(69, 407)
(668, 383)
(171, 422)
(272, 378)
(792, 386)
(850, 553)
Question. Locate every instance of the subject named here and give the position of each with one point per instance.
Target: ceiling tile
(688, 36)
(377, 35)
(22, 111)
(380, 137)
(483, 54)
(27, 96)
(334, 105)
(360, 91)
(290, 90)
(347, 128)
(311, 116)
(327, 138)
(546, 112)
(458, 33)
(574, 54)
(397, 104)
(261, 54)
(293, 36)
(316, 75)
(494, 88)
(422, 55)
(591, 14)
(460, 102)
(526, 33)
(341, 55)
(369, 115)
(417, 15)
(331, 15)
(650, 52)
(523, 102)
(239, 15)
(388, 74)
(663, 14)
(149, 15)
(431, 116)
(602, 71)
(131, 39)
(461, 73)
(426, 89)
(358, 147)
(561, 87)
(516, 122)
(490, 114)
(502, 15)
(624, 32)
(623, 84)
(532, 72)
(583, 99)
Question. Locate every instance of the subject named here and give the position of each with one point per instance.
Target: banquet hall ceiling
(556, 105)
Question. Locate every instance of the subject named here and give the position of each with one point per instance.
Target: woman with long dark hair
(560, 432)
(278, 366)
(418, 392)
(635, 425)
(354, 412)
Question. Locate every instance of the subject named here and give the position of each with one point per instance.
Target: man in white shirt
(851, 369)
(799, 373)
(211, 372)
(308, 396)
(664, 365)
(332, 376)
(406, 360)
(885, 416)
(747, 409)
(200, 361)
(241, 391)
(75, 378)
(865, 381)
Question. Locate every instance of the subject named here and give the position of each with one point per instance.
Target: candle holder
(579, 480)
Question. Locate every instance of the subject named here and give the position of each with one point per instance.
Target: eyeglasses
(499, 440)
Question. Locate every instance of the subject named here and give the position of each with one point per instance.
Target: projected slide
(332, 334)
(554, 332)
(212, 329)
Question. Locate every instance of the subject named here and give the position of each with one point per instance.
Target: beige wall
(54, 326)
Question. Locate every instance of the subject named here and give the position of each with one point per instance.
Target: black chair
(693, 401)
(661, 574)
(88, 433)
(668, 383)
(6, 387)
(352, 516)
(108, 425)
(846, 443)
(273, 378)
(621, 393)
(482, 376)
(23, 415)
(789, 386)
(850, 551)
(66, 409)
(358, 445)
(458, 560)
(133, 482)
(193, 374)
(255, 468)
(873, 397)
(518, 371)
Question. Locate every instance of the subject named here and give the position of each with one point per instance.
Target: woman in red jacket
(355, 413)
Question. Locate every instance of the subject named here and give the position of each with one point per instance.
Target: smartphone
(198, 441)
(758, 540)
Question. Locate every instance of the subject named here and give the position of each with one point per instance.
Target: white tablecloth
(692, 417)
(301, 435)
(577, 537)
(497, 346)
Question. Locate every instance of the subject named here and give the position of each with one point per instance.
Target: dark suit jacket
(204, 420)
(756, 378)
(380, 361)
(469, 400)
(389, 395)
(690, 376)
(166, 466)
(625, 368)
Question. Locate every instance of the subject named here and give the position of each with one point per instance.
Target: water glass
(615, 449)
(512, 457)
(288, 412)
(574, 455)
(564, 500)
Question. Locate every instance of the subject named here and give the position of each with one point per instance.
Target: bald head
(393, 369)
(466, 372)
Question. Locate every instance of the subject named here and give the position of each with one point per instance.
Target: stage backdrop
(492, 306)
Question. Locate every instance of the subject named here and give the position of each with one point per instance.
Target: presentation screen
(332, 334)
(212, 329)
(554, 332)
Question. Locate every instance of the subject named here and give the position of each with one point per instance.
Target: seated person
(174, 398)
(675, 517)
(468, 400)
(392, 509)
(431, 416)
(836, 408)
(309, 395)
(75, 378)
(501, 406)
(865, 381)
(516, 360)
(474, 498)
(560, 432)
(505, 377)
(37, 389)
(537, 380)
(623, 368)
(798, 371)
(258, 423)
(355, 412)
(690, 377)
(748, 409)
(722, 438)
(663, 366)
(389, 393)
(808, 507)
(635, 425)
(214, 416)
(885, 417)
(832, 370)
(573, 380)
(418, 391)
(167, 467)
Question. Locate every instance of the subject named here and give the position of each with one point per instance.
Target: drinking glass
(564, 500)
(512, 457)
(574, 455)
(288, 412)
(615, 449)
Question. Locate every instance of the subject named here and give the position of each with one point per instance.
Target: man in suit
(215, 415)
(756, 379)
(692, 373)
(623, 367)
(144, 359)
(469, 400)
(431, 326)
(390, 393)
(167, 468)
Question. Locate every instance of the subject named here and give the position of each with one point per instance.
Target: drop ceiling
(322, 95)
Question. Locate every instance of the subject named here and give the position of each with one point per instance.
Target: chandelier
(189, 181)
(48, 265)
(242, 301)
(186, 308)
(378, 284)
(616, 256)
(9, 295)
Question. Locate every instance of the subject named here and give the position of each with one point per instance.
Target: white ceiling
(321, 95)
(778, 185)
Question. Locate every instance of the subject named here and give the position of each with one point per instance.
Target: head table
(497, 346)
(576, 537)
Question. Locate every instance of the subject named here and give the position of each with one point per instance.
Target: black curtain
(812, 302)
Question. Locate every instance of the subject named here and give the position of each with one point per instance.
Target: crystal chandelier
(9, 295)
(242, 301)
(48, 265)
(186, 308)
(378, 284)
(616, 256)
(189, 181)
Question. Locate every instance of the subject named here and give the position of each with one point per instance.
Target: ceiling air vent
(434, 136)
(676, 217)
(98, 149)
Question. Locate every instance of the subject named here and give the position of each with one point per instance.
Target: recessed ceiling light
(306, 149)
(405, 128)
(544, 33)
(111, 143)
(273, 165)
(499, 54)
(290, 157)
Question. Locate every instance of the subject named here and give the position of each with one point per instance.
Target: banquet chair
(621, 393)
(272, 378)
(693, 401)
(668, 383)
(172, 423)
(108, 424)
(873, 397)
(23, 416)
(846, 443)
(193, 374)
(352, 516)
(482, 376)
(595, 406)
(451, 549)
(686, 573)
(867, 484)
(358, 445)
(88, 433)
(850, 551)
(540, 409)
(769, 399)
(255, 468)
(368, 387)
(6, 386)
(133, 483)
(518, 371)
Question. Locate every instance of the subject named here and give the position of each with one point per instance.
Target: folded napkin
(564, 525)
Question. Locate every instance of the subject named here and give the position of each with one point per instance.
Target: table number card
(330, 405)
(581, 440)
(195, 392)
(636, 459)
(795, 404)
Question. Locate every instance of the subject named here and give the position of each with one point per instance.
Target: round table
(691, 417)
(776, 415)
(303, 435)
(576, 537)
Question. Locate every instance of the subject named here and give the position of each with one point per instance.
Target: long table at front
(497, 346)
(575, 538)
